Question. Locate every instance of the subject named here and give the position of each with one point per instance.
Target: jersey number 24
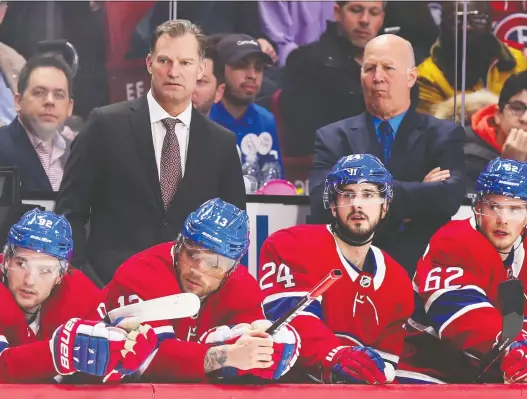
(283, 276)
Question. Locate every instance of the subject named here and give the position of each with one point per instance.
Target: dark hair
(177, 28)
(45, 60)
(343, 3)
(513, 85)
(74, 122)
(211, 53)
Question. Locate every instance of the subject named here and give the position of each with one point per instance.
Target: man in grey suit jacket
(424, 154)
(139, 167)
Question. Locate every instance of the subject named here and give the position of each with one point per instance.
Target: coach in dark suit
(424, 154)
(138, 168)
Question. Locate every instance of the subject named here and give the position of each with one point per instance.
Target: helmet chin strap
(335, 227)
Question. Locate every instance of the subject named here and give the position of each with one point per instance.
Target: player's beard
(360, 235)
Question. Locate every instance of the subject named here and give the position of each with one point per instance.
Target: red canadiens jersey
(457, 318)
(363, 307)
(151, 274)
(25, 356)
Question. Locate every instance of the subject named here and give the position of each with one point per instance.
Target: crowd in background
(311, 76)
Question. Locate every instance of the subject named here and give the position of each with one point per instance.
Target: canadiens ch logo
(512, 27)
(365, 281)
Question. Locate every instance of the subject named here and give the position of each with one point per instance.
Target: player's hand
(98, 349)
(515, 147)
(250, 350)
(514, 363)
(436, 175)
(141, 341)
(268, 49)
(356, 365)
(286, 346)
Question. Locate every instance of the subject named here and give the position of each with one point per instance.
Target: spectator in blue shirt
(254, 126)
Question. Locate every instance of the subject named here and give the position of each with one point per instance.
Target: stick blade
(170, 307)
(512, 303)
(511, 297)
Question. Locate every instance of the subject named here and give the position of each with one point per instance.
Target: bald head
(388, 74)
(392, 44)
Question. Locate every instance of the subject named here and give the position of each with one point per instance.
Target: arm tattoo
(215, 358)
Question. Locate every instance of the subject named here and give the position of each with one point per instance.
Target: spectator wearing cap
(255, 127)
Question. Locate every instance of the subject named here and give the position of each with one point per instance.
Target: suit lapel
(29, 162)
(142, 134)
(362, 138)
(407, 135)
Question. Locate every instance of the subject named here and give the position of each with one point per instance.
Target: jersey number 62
(440, 277)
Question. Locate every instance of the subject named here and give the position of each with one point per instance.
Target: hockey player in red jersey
(456, 320)
(354, 332)
(225, 339)
(41, 299)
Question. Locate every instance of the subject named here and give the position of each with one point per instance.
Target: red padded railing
(205, 391)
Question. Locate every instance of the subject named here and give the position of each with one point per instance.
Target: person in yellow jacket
(489, 61)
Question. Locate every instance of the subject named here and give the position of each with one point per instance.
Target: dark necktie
(386, 140)
(171, 172)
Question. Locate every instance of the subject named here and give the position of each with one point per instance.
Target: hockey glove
(514, 363)
(98, 349)
(286, 345)
(356, 365)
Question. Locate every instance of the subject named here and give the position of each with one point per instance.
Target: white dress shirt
(157, 114)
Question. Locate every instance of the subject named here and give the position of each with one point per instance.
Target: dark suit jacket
(17, 150)
(111, 180)
(421, 144)
(321, 85)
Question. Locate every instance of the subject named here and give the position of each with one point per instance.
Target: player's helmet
(219, 227)
(357, 169)
(503, 177)
(45, 232)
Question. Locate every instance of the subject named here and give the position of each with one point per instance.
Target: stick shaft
(315, 292)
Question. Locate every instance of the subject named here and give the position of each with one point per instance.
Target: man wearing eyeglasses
(489, 61)
(457, 322)
(498, 129)
(41, 301)
(225, 339)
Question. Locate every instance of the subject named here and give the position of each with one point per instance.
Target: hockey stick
(318, 290)
(169, 307)
(511, 297)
